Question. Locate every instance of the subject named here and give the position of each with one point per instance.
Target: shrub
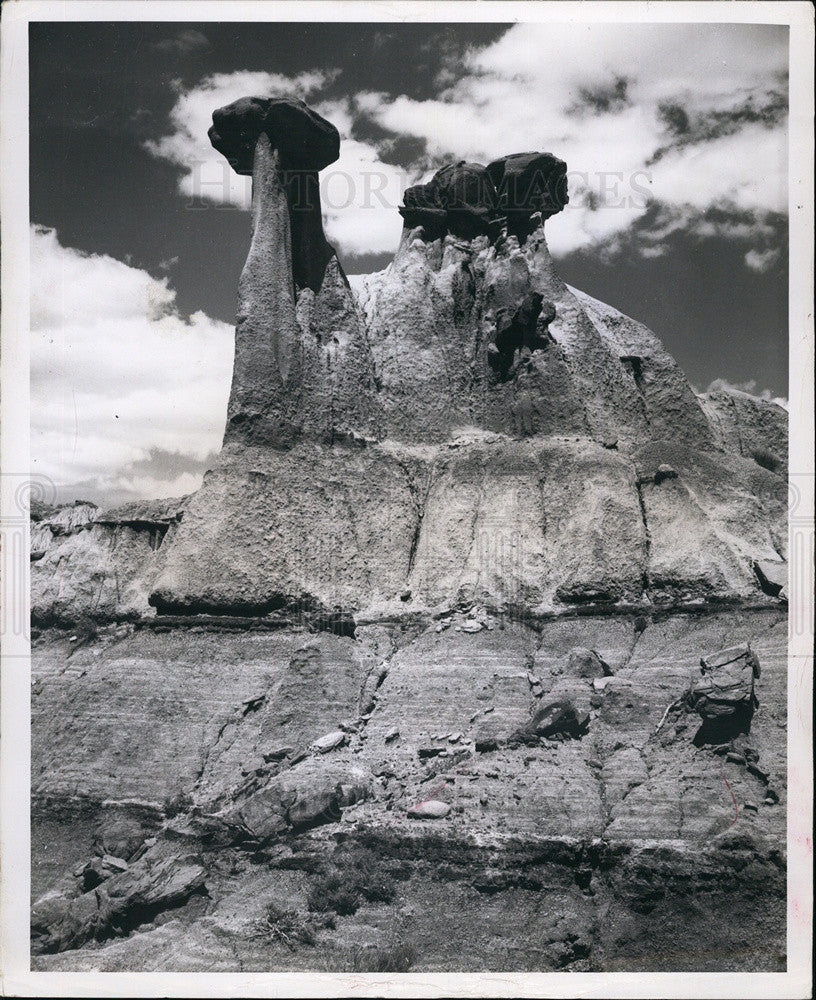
(396, 957)
(344, 886)
(291, 928)
(178, 803)
(377, 885)
(334, 890)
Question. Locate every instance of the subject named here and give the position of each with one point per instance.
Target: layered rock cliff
(428, 616)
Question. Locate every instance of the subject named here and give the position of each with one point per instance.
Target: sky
(675, 137)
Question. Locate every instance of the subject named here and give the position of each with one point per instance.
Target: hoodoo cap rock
(530, 182)
(305, 140)
(457, 185)
(469, 198)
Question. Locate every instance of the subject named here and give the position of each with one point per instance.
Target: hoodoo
(426, 642)
(302, 365)
(468, 393)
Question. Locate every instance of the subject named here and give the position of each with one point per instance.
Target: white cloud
(759, 260)
(208, 175)
(115, 370)
(150, 487)
(541, 86)
(525, 90)
(722, 384)
(359, 193)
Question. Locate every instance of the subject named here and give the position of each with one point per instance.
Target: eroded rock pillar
(283, 144)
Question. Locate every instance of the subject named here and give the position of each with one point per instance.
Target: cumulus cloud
(682, 117)
(117, 374)
(750, 387)
(762, 260)
(359, 193)
(207, 175)
(655, 233)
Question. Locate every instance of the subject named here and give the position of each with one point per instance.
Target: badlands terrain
(399, 687)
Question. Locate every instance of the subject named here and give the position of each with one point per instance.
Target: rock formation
(302, 365)
(409, 649)
(470, 395)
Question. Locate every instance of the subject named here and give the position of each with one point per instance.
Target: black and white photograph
(407, 499)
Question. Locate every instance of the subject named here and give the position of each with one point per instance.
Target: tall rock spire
(289, 380)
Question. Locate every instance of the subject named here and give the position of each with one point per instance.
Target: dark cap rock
(305, 140)
(460, 197)
(468, 198)
(530, 182)
(456, 185)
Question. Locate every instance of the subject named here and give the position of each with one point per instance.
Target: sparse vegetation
(343, 886)
(293, 928)
(84, 630)
(176, 804)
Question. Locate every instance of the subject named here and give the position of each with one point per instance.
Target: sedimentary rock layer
(224, 760)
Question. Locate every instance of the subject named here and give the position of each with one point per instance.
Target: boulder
(328, 742)
(97, 870)
(304, 138)
(469, 199)
(772, 576)
(432, 809)
(310, 794)
(456, 185)
(460, 197)
(530, 182)
(587, 663)
(727, 682)
(124, 900)
(664, 471)
(557, 718)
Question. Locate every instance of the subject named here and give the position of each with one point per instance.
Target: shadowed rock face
(304, 143)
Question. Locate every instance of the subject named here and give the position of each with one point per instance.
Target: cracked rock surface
(422, 774)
